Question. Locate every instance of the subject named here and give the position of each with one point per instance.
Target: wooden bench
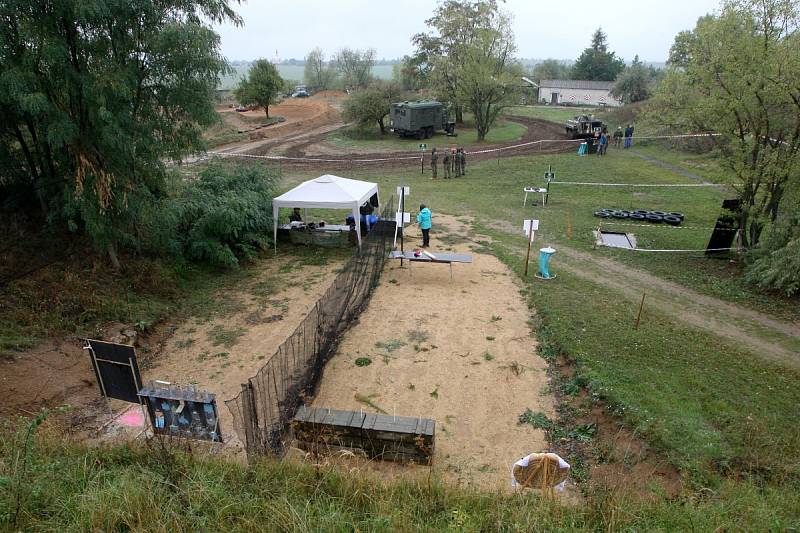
(391, 438)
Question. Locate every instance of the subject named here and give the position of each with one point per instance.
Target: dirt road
(770, 338)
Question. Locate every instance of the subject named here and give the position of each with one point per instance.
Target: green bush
(219, 217)
(776, 264)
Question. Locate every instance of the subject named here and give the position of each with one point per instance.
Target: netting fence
(268, 401)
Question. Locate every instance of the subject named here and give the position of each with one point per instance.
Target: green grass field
(161, 488)
(504, 131)
(721, 411)
(552, 113)
(715, 408)
(290, 72)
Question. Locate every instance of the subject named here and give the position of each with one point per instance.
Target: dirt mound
(300, 114)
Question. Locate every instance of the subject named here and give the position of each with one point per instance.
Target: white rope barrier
(688, 251)
(635, 184)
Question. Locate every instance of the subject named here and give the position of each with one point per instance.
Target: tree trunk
(383, 128)
(112, 255)
(459, 114)
(266, 110)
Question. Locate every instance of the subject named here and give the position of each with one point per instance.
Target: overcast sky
(543, 28)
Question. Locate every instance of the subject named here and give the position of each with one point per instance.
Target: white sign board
(530, 225)
(400, 191)
(406, 218)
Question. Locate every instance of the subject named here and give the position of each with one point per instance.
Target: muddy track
(298, 147)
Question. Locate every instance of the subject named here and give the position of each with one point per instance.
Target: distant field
(551, 113)
(291, 72)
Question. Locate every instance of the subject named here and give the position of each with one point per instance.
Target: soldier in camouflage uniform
(446, 164)
(463, 163)
(434, 163)
(453, 163)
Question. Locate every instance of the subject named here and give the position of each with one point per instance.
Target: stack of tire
(641, 215)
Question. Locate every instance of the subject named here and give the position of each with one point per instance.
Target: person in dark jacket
(434, 163)
(295, 216)
(618, 137)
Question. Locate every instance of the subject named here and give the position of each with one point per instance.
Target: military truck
(584, 127)
(419, 119)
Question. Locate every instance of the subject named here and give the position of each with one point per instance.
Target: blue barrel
(544, 262)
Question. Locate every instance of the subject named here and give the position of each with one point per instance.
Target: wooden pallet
(391, 438)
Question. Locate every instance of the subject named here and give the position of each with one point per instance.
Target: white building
(577, 92)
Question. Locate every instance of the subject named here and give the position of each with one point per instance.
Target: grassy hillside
(62, 487)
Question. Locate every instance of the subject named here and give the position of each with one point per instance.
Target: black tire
(428, 132)
(607, 210)
(657, 219)
(658, 213)
(641, 212)
(679, 215)
(602, 214)
(420, 135)
(636, 216)
(671, 220)
(620, 214)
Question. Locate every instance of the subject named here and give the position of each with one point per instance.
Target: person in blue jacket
(424, 221)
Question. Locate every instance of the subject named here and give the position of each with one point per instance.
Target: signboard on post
(402, 192)
(549, 176)
(530, 227)
(116, 370)
(182, 411)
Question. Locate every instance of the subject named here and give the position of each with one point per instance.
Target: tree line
(96, 97)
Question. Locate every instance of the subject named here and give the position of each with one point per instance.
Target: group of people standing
(627, 134)
(454, 163)
(603, 140)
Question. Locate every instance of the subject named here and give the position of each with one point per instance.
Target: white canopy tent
(327, 192)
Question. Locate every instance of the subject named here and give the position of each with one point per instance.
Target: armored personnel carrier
(584, 127)
(419, 119)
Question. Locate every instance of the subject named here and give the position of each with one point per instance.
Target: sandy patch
(220, 354)
(459, 352)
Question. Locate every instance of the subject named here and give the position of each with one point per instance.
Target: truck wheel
(420, 135)
(429, 132)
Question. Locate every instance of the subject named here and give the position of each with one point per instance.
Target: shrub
(776, 263)
(220, 217)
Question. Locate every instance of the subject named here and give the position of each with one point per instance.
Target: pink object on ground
(133, 417)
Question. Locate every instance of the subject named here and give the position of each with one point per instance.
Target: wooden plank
(385, 437)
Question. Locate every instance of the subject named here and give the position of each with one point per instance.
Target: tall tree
(550, 69)
(371, 105)
(634, 84)
(356, 66)
(737, 74)
(488, 76)
(410, 73)
(596, 62)
(95, 95)
(262, 86)
(455, 28)
(318, 73)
